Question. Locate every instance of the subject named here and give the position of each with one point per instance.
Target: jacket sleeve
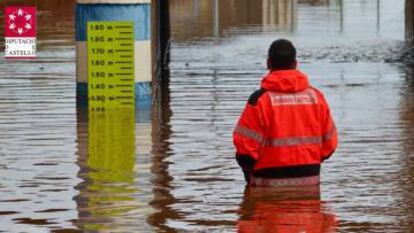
(329, 132)
(249, 135)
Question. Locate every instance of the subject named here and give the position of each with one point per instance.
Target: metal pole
(341, 6)
(292, 15)
(196, 7)
(378, 15)
(216, 18)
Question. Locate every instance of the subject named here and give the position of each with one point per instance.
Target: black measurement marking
(124, 85)
(126, 91)
(125, 56)
(123, 27)
(123, 97)
(126, 103)
(123, 73)
(123, 62)
(126, 79)
(127, 44)
(123, 50)
(126, 68)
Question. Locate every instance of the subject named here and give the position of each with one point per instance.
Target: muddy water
(171, 168)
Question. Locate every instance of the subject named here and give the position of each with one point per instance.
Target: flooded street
(171, 168)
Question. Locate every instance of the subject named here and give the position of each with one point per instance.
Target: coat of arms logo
(20, 32)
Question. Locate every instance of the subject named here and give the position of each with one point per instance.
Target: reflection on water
(162, 196)
(407, 168)
(214, 18)
(171, 168)
(226, 18)
(107, 160)
(113, 148)
(288, 209)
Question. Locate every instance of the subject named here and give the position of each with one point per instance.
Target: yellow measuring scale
(111, 95)
(111, 75)
(111, 121)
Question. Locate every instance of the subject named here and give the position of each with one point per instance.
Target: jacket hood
(285, 81)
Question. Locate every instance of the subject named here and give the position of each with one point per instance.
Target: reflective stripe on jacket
(286, 129)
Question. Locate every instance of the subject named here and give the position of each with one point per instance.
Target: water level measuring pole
(98, 18)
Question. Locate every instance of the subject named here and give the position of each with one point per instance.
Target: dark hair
(282, 55)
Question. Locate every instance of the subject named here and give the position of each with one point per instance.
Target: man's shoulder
(254, 98)
(319, 94)
(317, 91)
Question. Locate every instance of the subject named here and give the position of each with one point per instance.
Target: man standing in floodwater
(286, 130)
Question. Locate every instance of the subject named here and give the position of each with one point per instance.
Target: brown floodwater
(171, 168)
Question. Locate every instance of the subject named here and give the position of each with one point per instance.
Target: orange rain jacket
(288, 216)
(286, 129)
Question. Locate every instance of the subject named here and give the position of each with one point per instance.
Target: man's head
(282, 55)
